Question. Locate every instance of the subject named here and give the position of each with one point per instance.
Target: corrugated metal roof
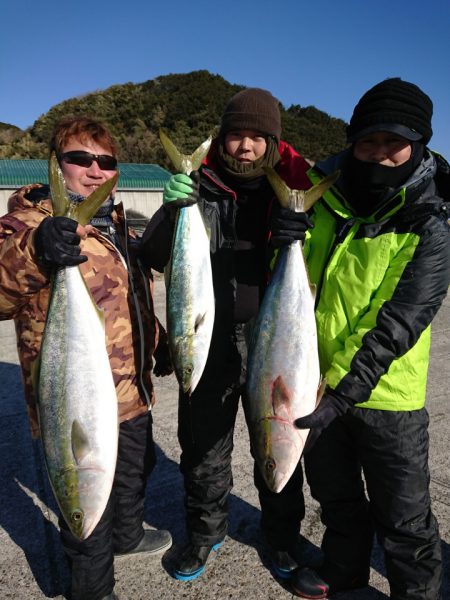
(17, 172)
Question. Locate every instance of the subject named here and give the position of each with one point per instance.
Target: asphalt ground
(32, 565)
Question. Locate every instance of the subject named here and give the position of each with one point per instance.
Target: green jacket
(380, 281)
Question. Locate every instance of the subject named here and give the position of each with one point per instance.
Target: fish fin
(199, 321)
(80, 443)
(60, 198)
(85, 210)
(318, 190)
(280, 398)
(184, 163)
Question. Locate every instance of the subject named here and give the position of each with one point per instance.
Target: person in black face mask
(388, 131)
(379, 256)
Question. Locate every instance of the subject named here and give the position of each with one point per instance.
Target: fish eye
(270, 464)
(77, 516)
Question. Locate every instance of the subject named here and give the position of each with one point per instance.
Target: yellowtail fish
(189, 285)
(77, 402)
(283, 379)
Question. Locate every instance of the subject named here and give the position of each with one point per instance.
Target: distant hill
(6, 126)
(188, 106)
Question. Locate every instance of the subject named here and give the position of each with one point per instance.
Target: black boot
(193, 561)
(283, 563)
(308, 583)
(154, 541)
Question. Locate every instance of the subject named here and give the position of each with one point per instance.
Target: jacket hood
(29, 196)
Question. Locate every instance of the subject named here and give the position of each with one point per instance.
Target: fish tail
(298, 200)
(184, 163)
(60, 198)
(80, 211)
(85, 210)
(317, 191)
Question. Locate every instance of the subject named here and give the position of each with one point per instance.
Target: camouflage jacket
(121, 287)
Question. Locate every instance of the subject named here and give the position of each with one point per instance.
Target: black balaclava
(369, 184)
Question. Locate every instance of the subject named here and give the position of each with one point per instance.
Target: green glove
(181, 190)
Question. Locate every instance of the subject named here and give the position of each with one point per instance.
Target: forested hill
(188, 106)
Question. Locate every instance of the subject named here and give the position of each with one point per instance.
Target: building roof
(17, 172)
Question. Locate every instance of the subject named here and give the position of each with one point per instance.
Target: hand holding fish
(57, 242)
(181, 190)
(287, 226)
(331, 406)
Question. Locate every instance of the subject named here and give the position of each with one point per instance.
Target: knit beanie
(252, 108)
(396, 106)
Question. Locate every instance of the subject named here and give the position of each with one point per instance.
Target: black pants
(205, 432)
(120, 529)
(391, 449)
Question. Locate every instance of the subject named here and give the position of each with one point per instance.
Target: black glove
(57, 243)
(332, 405)
(163, 364)
(288, 226)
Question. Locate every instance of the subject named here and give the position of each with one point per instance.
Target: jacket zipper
(126, 263)
(343, 226)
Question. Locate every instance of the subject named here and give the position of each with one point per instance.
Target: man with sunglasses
(32, 244)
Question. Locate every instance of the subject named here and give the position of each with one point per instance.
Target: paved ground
(31, 563)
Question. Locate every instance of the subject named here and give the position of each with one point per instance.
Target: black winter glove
(163, 364)
(57, 243)
(332, 405)
(288, 226)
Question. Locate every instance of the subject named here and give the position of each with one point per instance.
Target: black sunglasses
(85, 159)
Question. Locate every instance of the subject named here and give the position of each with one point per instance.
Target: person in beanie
(236, 201)
(33, 243)
(379, 254)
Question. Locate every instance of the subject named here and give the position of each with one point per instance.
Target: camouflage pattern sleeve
(20, 275)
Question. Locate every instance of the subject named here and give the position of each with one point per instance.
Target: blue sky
(325, 53)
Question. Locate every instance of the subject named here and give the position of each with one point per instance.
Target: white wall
(145, 202)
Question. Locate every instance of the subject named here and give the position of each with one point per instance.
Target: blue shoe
(193, 561)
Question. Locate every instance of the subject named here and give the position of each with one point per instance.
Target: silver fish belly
(190, 298)
(283, 369)
(77, 404)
